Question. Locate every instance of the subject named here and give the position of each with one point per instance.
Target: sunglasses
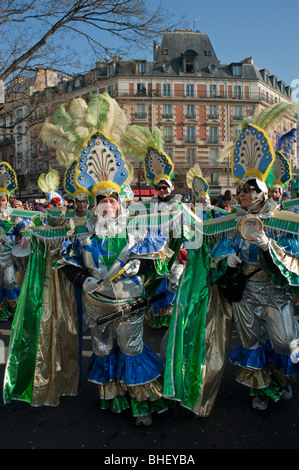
(246, 189)
(160, 188)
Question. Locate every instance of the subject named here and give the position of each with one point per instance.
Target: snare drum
(248, 225)
(21, 257)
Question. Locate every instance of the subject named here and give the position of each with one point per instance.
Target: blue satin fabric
(132, 370)
(9, 294)
(262, 358)
(166, 301)
(24, 222)
(149, 245)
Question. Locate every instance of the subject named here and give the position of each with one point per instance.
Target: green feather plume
(49, 182)
(69, 128)
(274, 115)
(138, 139)
(98, 108)
(268, 120)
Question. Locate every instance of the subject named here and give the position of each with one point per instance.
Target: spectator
(286, 196)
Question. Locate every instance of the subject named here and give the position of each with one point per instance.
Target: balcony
(190, 116)
(237, 118)
(140, 116)
(190, 140)
(227, 96)
(213, 140)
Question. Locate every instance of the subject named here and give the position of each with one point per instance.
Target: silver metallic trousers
(266, 312)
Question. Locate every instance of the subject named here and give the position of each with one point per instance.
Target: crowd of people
(88, 269)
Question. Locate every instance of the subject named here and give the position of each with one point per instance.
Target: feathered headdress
(8, 180)
(197, 183)
(268, 120)
(253, 155)
(49, 184)
(90, 133)
(281, 170)
(68, 130)
(102, 169)
(70, 183)
(140, 144)
(285, 142)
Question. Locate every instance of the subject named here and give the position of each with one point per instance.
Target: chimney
(248, 60)
(156, 50)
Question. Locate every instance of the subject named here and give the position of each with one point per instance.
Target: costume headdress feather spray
(90, 133)
(197, 183)
(140, 144)
(69, 128)
(267, 120)
(253, 154)
(49, 184)
(8, 179)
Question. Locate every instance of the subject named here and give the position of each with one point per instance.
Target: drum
(248, 225)
(21, 257)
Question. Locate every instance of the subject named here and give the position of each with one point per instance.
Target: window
(213, 91)
(237, 71)
(213, 135)
(19, 114)
(237, 92)
(213, 156)
(208, 53)
(191, 134)
(238, 112)
(166, 89)
(191, 111)
(190, 65)
(140, 111)
(168, 134)
(169, 152)
(213, 112)
(34, 151)
(167, 110)
(189, 90)
(141, 68)
(141, 90)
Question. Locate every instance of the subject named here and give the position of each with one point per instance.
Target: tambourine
(249, 224)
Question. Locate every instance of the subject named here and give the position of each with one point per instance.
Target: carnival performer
(200, 189)
(82, 199)
(11, 226)
(159, 173)
(106, 261)
(264, 315)
(201, 325)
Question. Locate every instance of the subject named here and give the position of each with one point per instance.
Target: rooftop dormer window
(189, 61)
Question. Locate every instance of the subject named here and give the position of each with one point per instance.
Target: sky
(267, 30)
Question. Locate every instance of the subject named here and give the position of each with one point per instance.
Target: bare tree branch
(40, 22)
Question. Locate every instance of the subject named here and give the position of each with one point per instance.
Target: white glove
(260, 239)
(233, 260)
(295, 352)
(90, 285)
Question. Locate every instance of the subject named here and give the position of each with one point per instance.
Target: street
(79, 423)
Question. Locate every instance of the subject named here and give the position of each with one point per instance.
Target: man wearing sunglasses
(164, 192)
(166, 201)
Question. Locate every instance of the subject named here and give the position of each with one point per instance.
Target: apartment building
(197, 101)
